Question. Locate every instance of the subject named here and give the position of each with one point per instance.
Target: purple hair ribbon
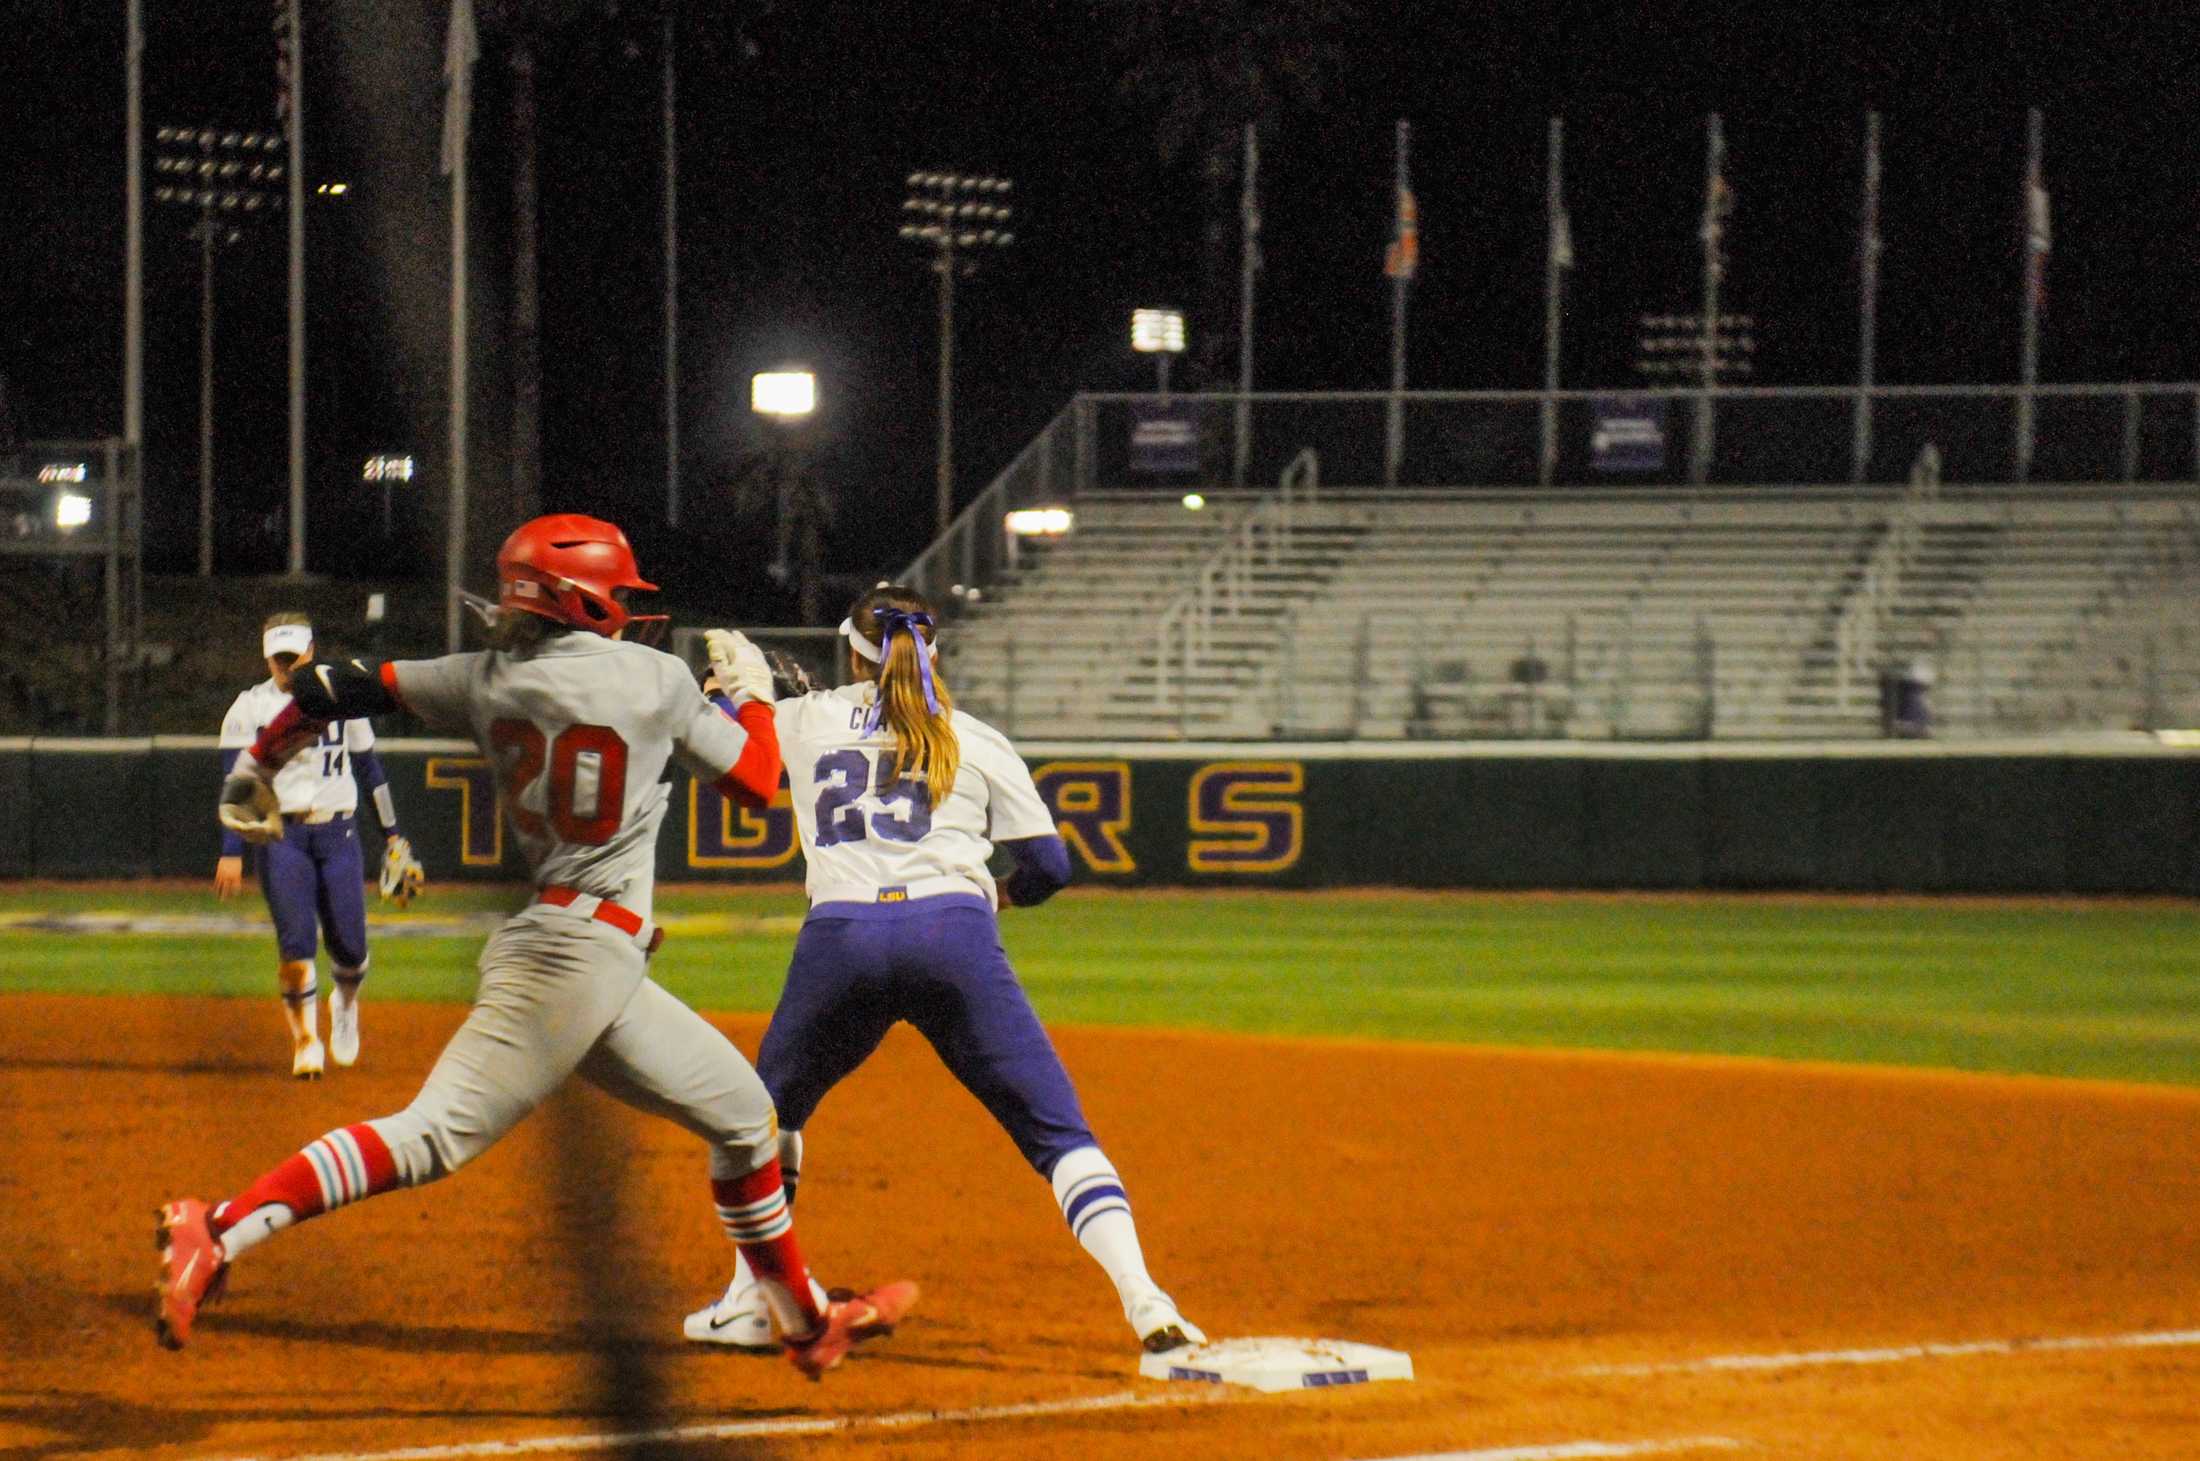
(892, 621)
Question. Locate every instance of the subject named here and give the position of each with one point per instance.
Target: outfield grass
(2100, 990)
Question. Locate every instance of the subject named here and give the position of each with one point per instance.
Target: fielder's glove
(788, 676)
(740, 667)
(402, 875)
(248, 808)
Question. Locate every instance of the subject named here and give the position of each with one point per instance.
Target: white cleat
(1158, 1325)
(343, 1024)
(738, 1320)
(741, 1319)
(307, 1061)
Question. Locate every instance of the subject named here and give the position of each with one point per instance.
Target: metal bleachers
(1727, 612)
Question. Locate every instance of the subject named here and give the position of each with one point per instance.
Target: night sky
(799, 122)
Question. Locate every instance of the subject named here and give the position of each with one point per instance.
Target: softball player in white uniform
(312, 877)
(581, 727)
(900, 799)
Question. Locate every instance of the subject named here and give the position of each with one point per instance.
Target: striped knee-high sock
(1098, 1212)
(349, 1163)
(753, 1210)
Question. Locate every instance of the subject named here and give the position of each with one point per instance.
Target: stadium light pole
(1159, 333)
(958, 215)
(227, 176)
(786, 400)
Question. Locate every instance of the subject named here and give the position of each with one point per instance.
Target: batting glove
(403, 877)
(740, 667)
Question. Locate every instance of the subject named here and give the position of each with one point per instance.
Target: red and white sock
(349, 1163)
(753, 1210)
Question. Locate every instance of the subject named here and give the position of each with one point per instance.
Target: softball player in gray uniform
(581, 727)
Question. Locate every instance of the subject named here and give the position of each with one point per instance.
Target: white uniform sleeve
(239, 728)
(1014, 809)
(706, 739)
(358, 735)
(440, 691)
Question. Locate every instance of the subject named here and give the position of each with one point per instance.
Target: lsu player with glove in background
(900, 799)
(311, 870)
(581, 725)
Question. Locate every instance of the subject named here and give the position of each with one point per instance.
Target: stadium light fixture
(1193, 502)
(1040, 522)
(1159, 333)
(55, 473)
(71, 510)
(785, 395)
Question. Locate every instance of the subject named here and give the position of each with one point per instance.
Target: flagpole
(1714, 184)
(1401, 275)
(2035, 264)
(133, 264)
(1867, 302)
(1559, 256)
(672, 285)
(461, 51)
(1249, 265)
(297, 289)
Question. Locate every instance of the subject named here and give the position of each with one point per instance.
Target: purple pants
(315, 874)
(937, 963)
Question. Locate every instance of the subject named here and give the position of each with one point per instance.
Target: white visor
(287, 639)
(869, 648)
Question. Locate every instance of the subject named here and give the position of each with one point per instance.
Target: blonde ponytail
(909, 687)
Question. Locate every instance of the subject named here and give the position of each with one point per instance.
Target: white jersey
(869, 844)
(580, 729)
(316, 782)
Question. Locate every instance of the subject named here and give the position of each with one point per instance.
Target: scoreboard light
(71, 510)
(1157, 331)
(1040, 522)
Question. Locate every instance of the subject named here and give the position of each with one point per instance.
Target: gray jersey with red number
(580, 729)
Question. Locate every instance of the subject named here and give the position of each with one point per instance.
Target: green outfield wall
(2107, 817)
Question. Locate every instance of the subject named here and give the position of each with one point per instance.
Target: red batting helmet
(564, 567)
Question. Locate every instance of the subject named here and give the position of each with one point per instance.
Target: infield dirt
(1513, 1220)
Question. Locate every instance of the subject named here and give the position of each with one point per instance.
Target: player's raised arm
(732, 738)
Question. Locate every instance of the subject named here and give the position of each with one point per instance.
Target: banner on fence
(1628, 434)
(1279, 816)
(1164, 436)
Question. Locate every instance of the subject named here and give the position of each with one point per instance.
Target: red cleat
(192, 1269)
(849, 1320)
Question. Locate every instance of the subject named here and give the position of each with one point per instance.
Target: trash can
(1906, 701)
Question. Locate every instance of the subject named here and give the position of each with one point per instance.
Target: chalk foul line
(1583, 1450)
(784, 1426)
(1902, 1353)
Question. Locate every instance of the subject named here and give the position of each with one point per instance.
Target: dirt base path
(1559, 1241)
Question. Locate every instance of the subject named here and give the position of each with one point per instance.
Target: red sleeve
(292, 730)
(389, 683)
(754, 779)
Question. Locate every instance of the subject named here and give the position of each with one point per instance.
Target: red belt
(625, 920)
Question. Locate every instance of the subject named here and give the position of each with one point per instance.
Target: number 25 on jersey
(586, 796)
(844, 779)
